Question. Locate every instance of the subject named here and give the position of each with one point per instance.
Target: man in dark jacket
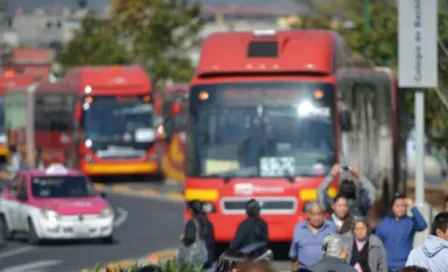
(252, 230)
(335, 256)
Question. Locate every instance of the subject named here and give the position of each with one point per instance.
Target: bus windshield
(114, 118)
(273, 129)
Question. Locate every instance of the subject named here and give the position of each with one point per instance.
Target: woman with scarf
(366, 251)
(206, 231)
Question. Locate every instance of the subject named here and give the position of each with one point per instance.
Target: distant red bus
(96, 119)
(269, 116)
(174, 109)
(10, 82)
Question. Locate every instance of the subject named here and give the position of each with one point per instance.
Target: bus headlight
(50, 215)
(106, 212)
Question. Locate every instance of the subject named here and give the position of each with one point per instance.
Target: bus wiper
(226, 178)
(289, 177)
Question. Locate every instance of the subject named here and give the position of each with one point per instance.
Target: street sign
(417, 43)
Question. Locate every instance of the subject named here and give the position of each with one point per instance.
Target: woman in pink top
(366, 251)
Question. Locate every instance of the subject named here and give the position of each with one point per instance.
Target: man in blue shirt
(308, 238)
(397, 231)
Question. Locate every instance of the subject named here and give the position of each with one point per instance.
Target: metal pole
(420, 147)
(366, 13)
(30, 126)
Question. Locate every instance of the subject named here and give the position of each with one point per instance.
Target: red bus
(174, 106)
(10, 82)
(269, 117)
(96, 119)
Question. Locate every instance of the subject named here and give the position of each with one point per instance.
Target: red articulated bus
(271, 112)
(174, 107)
(10, 83)
(96, 119)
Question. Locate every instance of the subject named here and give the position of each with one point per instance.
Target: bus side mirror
(346, 121)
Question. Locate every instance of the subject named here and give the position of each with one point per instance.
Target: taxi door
(23, 211)
(10, 202)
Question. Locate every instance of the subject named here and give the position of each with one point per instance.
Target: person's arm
(369, 189)
(294, 250)
(322, 191)
(238, 239)
(266, 233)
(189, 233)
(411, 259)
(417, 217)
(380, 233)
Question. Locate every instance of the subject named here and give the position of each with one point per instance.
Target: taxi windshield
(61, 186)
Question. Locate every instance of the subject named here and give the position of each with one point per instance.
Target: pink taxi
(56, 203)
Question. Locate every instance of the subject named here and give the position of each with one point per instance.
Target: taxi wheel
(6, 234)
(33, 238)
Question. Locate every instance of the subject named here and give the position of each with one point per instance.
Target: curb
(152, 258)
(147, 193)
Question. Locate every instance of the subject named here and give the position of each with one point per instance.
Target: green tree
(95, 43)
(380, 45)
(157, 34)
(161, 33)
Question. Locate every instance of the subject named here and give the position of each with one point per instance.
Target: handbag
(195, 253)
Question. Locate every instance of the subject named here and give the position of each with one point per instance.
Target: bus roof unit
(95, 79)
(15, 83)
(269, 51)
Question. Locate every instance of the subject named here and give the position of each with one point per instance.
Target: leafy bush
(168, 266)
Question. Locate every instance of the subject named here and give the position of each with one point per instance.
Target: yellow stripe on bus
(131, 168)
(311, 194)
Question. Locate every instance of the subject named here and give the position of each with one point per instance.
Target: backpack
(196, 253)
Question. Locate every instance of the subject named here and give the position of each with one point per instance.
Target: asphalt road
(143, 225)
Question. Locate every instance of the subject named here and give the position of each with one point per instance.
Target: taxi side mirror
(22, 197)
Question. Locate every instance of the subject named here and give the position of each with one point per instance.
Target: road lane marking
(121, 218)
(121, 188)
(39, 266)
(16, 251)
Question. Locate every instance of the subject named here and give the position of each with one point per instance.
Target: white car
(56, 203)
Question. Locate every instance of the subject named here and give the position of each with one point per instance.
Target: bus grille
(270, 205)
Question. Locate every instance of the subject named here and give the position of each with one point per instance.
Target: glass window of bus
(112, 117)
(54, 112)
(267, 129)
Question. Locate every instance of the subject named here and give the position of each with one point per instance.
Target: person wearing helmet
(252, 230)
